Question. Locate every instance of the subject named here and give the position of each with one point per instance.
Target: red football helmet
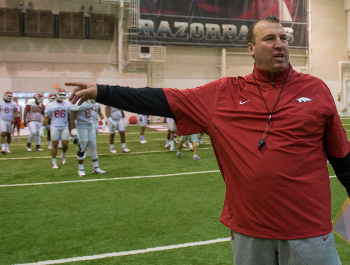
(52, 97)
(39, 98)
(8, 96)
(60, 94)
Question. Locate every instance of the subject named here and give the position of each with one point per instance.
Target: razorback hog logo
(303, 100)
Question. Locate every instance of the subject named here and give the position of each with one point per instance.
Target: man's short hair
(251, 36)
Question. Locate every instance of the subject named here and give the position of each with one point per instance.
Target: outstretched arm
(149, 101)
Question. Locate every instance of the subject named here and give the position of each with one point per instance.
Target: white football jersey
(116, 114)
(84, 115)
(34, 111)
(95, 108)
(7, 110)
(58, 112)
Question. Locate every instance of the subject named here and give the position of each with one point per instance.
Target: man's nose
(278, 43)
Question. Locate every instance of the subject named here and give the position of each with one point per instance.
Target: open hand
(82, 92)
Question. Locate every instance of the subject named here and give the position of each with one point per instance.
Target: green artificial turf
(64, 217)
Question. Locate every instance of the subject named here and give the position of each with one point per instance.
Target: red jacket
(283, 190)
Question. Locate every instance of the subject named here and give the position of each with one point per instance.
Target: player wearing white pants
(193, 139)
(58, 111)
(34, 128)
(8, 110)
(143, 121)
(33, 116)
(116, 121)
(86, 136)
(170, 134)
(5, 128)
(57, 133)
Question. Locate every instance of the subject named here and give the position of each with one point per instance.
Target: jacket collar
(264, 75)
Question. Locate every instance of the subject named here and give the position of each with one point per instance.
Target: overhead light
(30, 5)
(82, 9)
(90, 10)
(20, 5)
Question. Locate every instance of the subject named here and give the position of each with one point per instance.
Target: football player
(193, 138)
(8, 110)
(33, 117)
(86, 136)
(51, 98)
(116, 121)
(96, 112)
(170, 135)
(143, 121)
(58, 111)
(18, 118)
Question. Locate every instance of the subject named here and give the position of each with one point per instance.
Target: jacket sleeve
(148, 101)
(341, 168)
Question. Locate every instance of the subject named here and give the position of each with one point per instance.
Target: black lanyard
(262, 140)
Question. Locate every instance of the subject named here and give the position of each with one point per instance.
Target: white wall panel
(6, 85)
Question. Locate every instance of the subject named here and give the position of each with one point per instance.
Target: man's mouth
(279, 57)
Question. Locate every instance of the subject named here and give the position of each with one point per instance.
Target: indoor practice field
(149, 208)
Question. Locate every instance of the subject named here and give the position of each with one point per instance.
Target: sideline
(126, 253)
(92, 180)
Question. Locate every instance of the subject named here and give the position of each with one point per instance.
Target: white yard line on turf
(127, 253)
(91, 180)
(131, 153)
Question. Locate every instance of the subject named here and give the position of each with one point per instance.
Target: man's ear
(251, 49)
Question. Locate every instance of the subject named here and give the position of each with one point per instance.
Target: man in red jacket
(272, 132)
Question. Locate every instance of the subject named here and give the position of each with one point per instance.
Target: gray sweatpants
(259, 251)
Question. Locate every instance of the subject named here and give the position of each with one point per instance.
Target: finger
(82, 100)
(73, 98)
(73, 94)
(81, 84)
